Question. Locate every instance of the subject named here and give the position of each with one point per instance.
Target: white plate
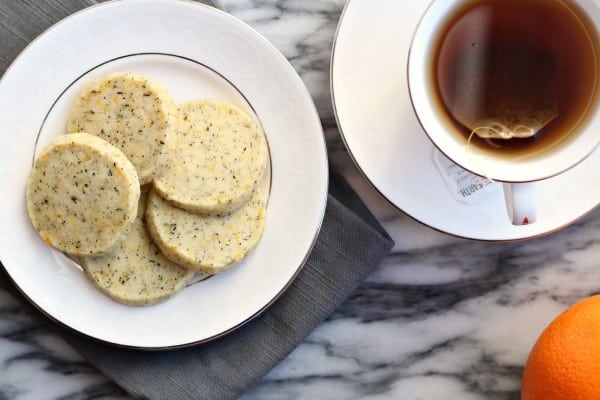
(385, 140)
(196, 52)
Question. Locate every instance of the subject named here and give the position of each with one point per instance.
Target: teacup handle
(521, 202)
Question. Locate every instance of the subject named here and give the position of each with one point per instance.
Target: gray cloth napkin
(351, 243)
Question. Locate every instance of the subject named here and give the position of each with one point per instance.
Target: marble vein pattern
(441, 318)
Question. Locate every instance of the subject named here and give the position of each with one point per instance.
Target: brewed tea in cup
(509, 89)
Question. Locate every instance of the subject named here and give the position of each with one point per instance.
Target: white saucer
(385, 140)
(195, 51)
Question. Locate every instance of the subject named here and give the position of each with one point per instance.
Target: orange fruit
(564, 363)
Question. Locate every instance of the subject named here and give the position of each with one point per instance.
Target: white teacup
(519, 170)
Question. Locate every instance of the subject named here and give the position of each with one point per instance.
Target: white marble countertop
(440, 318)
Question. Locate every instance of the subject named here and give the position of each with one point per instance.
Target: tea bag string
(472, 156)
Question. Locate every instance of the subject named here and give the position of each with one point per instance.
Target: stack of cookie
(146, 193)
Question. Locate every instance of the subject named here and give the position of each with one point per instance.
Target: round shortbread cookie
(131, 112)
(218, 158)
(136, 272)
(82, 194)
(205, 243)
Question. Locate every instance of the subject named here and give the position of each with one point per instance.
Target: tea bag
(508, 94)
(511, 124)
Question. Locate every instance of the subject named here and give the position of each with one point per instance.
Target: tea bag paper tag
(464, 186)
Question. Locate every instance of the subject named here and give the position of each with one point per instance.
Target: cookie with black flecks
(132, 112)
(206, 243)
(82, 194)
(218, 158)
